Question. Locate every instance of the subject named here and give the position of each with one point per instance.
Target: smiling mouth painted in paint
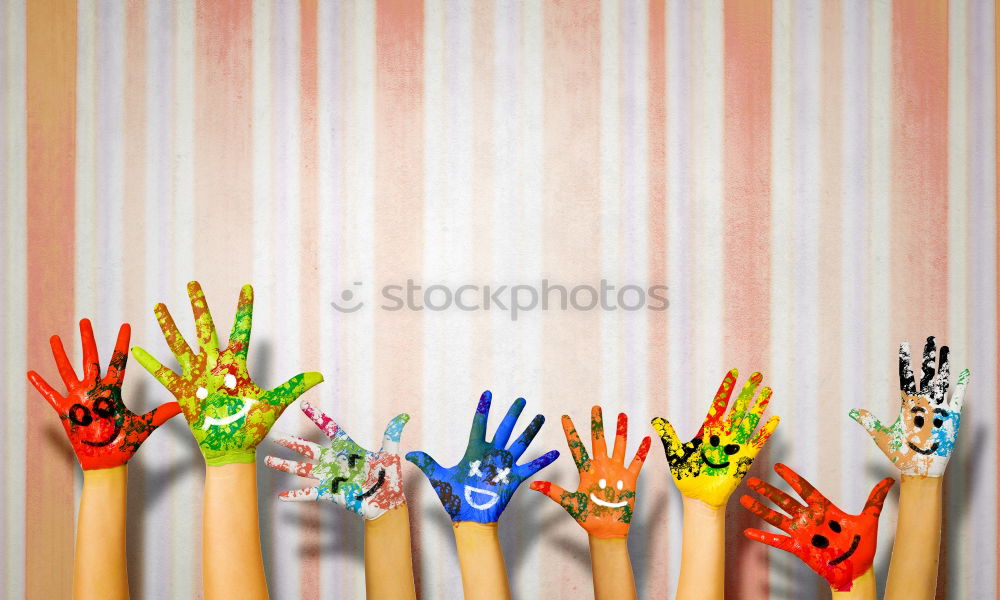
(926, 452)
(373, 489)
(846, 555)
(606, 504)
(712, 464)
(493, 497)
(111, 438)
(212, 421)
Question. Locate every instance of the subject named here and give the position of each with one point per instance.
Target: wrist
(862, 588)
(215, 458)
(921, 482)
(112, 476)
(702, 510)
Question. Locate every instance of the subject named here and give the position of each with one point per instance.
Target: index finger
(576, 447)
(802, 487)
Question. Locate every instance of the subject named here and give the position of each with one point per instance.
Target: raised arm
(919, 443)
(603, 502)
(228, 415)
(364, 482)
(104, 434)
(707, 470)
(838, 546)
(476, 491)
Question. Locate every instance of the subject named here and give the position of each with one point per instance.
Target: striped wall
(815, 180)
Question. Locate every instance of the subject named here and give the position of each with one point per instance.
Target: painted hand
(921, 440)
(368, 483)
(226, 411)
(604, 501)
(103, 432)
(711, 465)
(479, 487)
(838, 546)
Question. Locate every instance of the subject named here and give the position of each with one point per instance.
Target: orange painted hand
(603, 502)
(713, 463)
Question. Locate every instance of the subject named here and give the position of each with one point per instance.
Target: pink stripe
(223, 161)
(747, 218)
(658, 555)
(309, 293)
(920, 171)
(571, 213)
(51, 121)
(398, 243)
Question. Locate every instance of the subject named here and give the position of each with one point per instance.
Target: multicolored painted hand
(479, 487)
(226, 411)
(922, 439)
(603, 502)
(103, 431)
(838, 546)
(711, 471)
(368, 483)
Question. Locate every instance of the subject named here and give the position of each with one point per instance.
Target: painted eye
(230, 381)
(80, 415)
(820, 541)
(104, 408)
(918, 421)
(620, 484)
(602, 484)
(835, 526)
(714, 440)
(938, 422)
(202, 393)
(731, 449)
(353, 458)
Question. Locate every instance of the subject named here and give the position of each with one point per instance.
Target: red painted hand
(103, 432)
(838, 546)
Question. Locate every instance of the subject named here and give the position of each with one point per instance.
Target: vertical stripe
(223, 155)
(571, 227)
(398, 217)
(13, 300)
(654, 556)
(747, 274)
(50, 106)
(956, 233)
(919, 170)
(308, 285)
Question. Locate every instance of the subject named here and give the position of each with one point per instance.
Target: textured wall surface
(813, 180)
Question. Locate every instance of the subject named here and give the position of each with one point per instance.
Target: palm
(605, 498)
(712, 464)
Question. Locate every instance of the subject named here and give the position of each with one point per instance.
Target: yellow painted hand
(713, 463)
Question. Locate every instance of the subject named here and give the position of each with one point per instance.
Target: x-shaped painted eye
(501, 476)
(474, 469)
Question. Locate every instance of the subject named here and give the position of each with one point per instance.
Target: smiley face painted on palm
(367, 483)
(838, 546)
(712, 464)
(103, 431)
(923, 437)
(479, 487)
(227, 412)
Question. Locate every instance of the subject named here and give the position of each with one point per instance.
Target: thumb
(393, 432)
(162, 413)
(873, 507)
(549, 489)
(424, 462)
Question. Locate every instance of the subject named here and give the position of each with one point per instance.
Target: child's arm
(232, 565)
(99, 567)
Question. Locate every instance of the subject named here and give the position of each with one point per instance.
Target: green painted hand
(226, 411)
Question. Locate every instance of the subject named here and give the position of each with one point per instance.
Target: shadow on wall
(158, 478)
